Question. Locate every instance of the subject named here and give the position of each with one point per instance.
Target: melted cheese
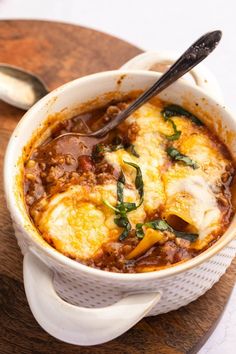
(202, 150)
(77, 222)
(191, 199)
(152, 157)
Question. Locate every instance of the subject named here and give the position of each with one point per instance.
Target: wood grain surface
(59, 53)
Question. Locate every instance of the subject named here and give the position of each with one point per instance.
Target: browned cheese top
(152, 193)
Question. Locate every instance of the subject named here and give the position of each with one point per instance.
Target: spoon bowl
(20, 88)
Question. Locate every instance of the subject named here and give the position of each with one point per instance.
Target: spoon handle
(197, 52)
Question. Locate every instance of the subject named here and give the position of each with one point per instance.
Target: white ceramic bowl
(87, 306)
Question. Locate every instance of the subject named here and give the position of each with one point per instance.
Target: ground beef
(71, 160)
(133, 131)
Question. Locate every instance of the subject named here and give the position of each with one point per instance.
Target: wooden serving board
(59, 53)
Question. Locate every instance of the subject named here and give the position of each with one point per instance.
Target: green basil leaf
(126, 231)
(130, 206)
(99, 150)
(172, 152)
(121, 221)
(122, 208)
(120, 187)
(117, 140)
(110, 206)
(116, 147)
(162, 225)
(132, 150)
(188, 161)
(176, 134)
(138, 178)
(185, 235)
(158, 224)
(139, 230)
(177, 156)
(174, 110)
(117, 144)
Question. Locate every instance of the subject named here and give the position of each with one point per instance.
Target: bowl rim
(19, 218)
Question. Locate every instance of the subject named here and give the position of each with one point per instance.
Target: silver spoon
(20, 88)
(197, 52)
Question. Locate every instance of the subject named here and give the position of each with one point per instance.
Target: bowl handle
(74, 324)
(159, 61)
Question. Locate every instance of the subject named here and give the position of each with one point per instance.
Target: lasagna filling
(153, 192)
